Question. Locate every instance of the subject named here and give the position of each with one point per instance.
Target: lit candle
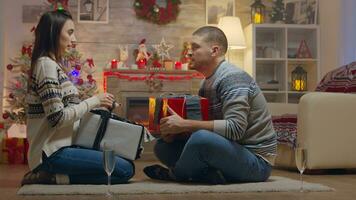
(258, 18)
(299, 85)
(141, 64)
(114, 64)
(178, 65)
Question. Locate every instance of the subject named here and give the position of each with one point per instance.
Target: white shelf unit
(270, 58)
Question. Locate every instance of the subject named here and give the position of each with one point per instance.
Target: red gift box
(158, 108)
(14, 150)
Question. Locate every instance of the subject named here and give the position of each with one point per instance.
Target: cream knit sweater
(54, 110)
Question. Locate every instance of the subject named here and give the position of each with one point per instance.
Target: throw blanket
(286, 129)
(342, 79)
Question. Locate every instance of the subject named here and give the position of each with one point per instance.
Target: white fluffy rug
(274, 184)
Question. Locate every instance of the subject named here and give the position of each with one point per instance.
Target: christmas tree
(15, 110)
(80, 73)
(278, 13)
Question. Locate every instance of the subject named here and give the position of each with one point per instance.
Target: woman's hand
(106, 100)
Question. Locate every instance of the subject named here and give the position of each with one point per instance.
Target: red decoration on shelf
(149, 10)
(303, 50)
(114, 64)
(178, 65)
(141, 64)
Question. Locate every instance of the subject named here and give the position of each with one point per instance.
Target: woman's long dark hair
(47, 36)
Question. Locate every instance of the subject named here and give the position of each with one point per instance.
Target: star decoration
(162, 49)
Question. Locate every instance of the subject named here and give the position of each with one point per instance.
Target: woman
(54, 111)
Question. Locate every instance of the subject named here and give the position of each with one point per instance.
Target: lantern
(299, 79)
(257, 12)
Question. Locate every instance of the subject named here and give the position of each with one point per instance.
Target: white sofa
(327, 126)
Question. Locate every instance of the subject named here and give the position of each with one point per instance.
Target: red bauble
(78, 67)
(91, 81)
(89, 77)
(80, 81)
(5, 115)
(9, 67)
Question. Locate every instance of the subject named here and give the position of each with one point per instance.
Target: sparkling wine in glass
(109, 165)
(301, 161)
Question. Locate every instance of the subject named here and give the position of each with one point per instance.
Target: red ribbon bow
(27, 50)
(90, 62)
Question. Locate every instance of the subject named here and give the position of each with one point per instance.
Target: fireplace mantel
(126, 84)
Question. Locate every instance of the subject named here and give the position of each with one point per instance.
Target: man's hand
(172, 124)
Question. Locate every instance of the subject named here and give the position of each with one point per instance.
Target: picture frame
(216, 9)
(93, 11)
(301, 11)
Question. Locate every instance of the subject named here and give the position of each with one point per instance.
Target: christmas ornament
(186, 55)
(5, 115)
(142, 55)
(9, 67)
(162, 49)
(124, 56)
(150, 11)
(303, 50)
(59, 4)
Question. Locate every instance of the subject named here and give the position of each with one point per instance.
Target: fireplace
(137, 110)
(131, 89)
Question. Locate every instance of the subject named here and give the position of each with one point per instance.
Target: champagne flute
(301, 162)
(109, 165)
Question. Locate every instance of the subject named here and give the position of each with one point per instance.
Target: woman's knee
(124, 171)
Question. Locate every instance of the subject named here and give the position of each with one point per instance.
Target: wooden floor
(344, 184)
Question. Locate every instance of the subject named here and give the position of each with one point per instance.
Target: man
(238, 144)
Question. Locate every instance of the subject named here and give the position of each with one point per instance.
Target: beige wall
(329, 15)
(348, 23)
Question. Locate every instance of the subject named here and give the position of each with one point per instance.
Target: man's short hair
(213, 35)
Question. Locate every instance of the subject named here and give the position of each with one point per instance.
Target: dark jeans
(204, 150)
(85, 166)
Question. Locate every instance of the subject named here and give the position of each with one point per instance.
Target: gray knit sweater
(239, 110)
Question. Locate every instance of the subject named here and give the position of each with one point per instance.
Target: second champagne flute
(301, 161)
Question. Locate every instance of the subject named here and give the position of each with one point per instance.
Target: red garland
(151, 76)
(149, 10)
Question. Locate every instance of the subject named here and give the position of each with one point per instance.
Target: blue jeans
(204, 150)
(85, 166)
